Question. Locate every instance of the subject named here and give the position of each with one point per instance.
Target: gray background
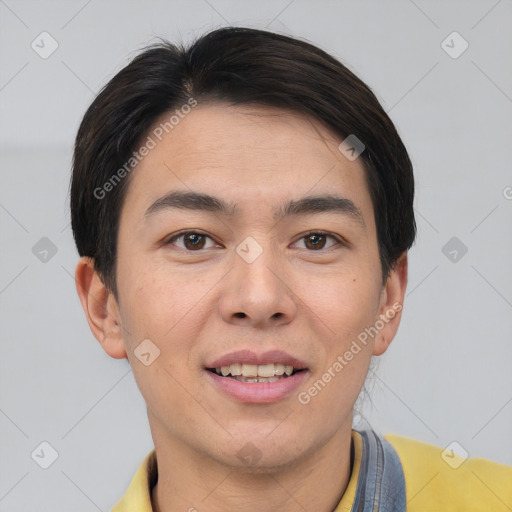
(447, 375)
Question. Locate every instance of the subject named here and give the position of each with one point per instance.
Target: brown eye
(190, 241)
(194, 241)
(315, 241)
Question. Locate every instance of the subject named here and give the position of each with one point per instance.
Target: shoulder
(439, 479)
(138, 495)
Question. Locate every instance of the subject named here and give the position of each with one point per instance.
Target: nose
(257, 294)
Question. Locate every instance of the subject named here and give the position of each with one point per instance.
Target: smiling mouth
(253, 373)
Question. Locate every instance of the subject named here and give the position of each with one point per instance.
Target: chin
(264, 454)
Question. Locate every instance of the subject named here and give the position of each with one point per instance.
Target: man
(243, 209)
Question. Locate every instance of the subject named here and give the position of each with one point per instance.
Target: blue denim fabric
(381, 483)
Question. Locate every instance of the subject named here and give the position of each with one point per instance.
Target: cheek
(348, 308)
(346, 303)
(157, 303)
(166, 310)
(356, 307)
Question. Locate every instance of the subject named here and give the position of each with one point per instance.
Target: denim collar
(380, 483)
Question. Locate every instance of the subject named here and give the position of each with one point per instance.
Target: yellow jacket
(435, 481)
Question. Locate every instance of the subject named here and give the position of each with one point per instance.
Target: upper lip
(250, 357)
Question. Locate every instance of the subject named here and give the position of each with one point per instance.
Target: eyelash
(181, 234)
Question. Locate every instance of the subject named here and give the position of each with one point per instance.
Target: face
(265, 278)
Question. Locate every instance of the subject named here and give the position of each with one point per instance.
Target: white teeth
(252, 371)
(266, 370)
(278, 369)
(241, 378)
(235, 369)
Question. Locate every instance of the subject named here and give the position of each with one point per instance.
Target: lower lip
(258, 392)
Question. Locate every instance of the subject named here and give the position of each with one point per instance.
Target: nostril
(240, 315)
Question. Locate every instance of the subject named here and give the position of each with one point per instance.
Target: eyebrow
(205, 202)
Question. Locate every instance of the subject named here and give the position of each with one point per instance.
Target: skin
(188, 303)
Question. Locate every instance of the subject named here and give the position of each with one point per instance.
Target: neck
(193, 482)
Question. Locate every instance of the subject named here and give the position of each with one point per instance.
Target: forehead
(246, 153)
(252, 135)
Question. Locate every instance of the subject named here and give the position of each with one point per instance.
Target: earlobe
(390, 311)
(100, 308)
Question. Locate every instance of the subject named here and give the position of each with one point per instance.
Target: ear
(391, 304)
(101, 309)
